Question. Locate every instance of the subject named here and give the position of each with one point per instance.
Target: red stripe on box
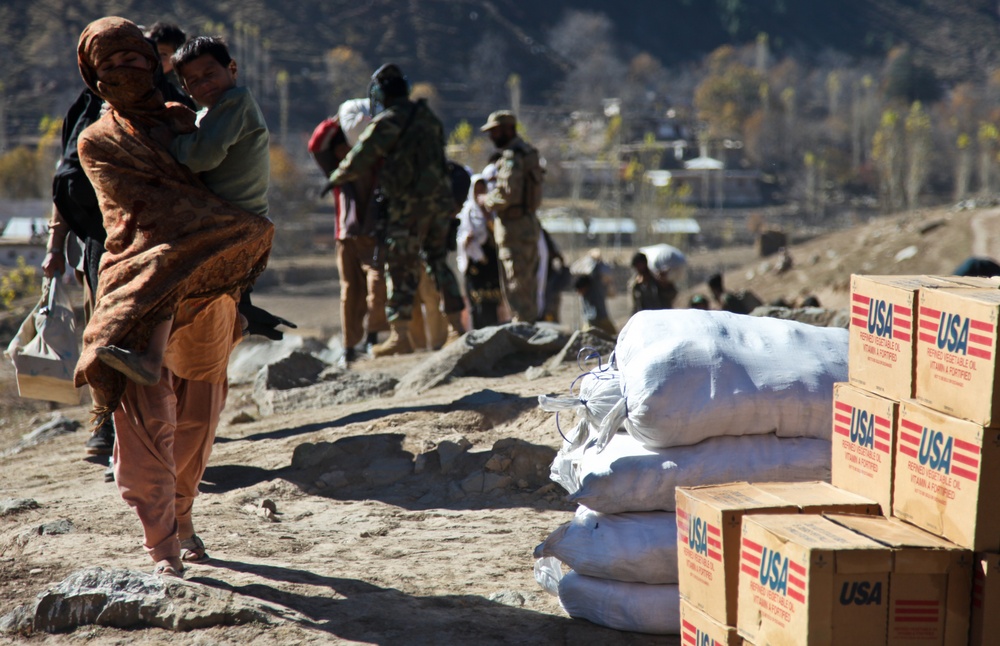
(795, 567)
(798, 596)
(713, 530)
(841, 430)
(922, 603)
(715, 556)
(861, 311)
(910, 424)
(859, 323)
(981, 340)
(963, 473)
(966, 460)
(881, 421)
(880, 446)
(714, 542)
(797, 582)
(908, 438)
(985, 355)
(916, 620)
(754, 546)
(927, 338)
(905, 450)
(902, 336)
(968, 447)
(899, 310)
(861, 298)
(882, 435)
(926, 311)
(929, 325)
(847, 408)
(750, 557)
(746, 569)
(681, 513)
(843, 419)
(982, 326)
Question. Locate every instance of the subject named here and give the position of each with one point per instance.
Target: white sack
(637, 607)
(354, 117)
(634, 547)
(664, 258)
(688, 375)
(627, 476)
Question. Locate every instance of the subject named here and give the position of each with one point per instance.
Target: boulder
(488, 352)
(129, 599)
(817, 316)
(250, 356)
(337, 387)
(11, 506)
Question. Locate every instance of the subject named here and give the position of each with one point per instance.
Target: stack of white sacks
(690, 398)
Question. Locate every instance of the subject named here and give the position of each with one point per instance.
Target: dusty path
(413, 562)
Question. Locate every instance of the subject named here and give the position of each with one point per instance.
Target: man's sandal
(193, 550)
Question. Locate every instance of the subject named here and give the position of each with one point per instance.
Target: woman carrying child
(174, 251)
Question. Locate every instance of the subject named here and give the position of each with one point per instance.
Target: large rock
(298, 369)
(337, 387)
(10, 506)
(489, 352)
(812, 315)
(252, 355)
(585, 347)
(129, 599)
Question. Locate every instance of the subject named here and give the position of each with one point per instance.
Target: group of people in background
(401, 206)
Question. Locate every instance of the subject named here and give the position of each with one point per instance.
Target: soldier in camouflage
(515, 200)
(407, 139)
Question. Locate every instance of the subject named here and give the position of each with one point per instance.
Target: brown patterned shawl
(169, 237)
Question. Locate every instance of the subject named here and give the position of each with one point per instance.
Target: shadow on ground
(362, 612)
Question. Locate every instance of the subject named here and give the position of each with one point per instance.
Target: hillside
(467, 49)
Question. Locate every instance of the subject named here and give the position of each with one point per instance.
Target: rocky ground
(356, 513)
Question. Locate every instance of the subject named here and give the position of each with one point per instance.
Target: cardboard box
(805, 580)
(863, 442)
(883, 329)
(708, 532)
(947, 477)
(698, 629)
(820, 498)
(956, 367)
(930, 584)
(985, 618)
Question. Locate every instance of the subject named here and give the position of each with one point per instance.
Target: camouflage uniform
(420, 204)
(516, 230)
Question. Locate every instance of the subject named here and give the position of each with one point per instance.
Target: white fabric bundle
(600, 391)
(633, 547)
(688, 375)
(636, 607)
(626, 476)
(354, 116)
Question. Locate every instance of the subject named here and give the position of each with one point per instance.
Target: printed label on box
(778, 584)
(942, 461)
(954, 342)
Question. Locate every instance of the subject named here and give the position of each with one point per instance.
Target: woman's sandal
(166, 569)
(193, 550)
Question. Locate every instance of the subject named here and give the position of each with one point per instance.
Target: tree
(729, 94)
(918, 148)
(585, 40)
(347, 76)
(889, 155)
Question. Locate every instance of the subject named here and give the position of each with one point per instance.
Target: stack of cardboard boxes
(912, 431)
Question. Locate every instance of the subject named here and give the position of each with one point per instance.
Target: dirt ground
(394, 564)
